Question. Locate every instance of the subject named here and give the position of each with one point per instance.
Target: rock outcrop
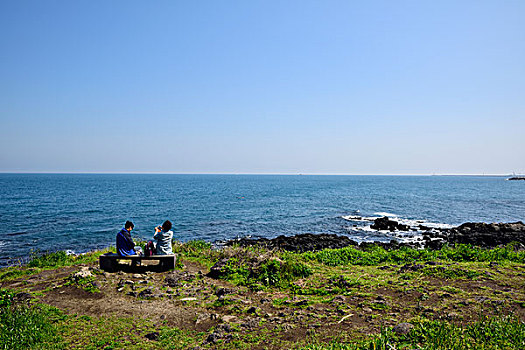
(299, 243)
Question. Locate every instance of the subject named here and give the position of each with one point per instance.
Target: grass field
(459, 297)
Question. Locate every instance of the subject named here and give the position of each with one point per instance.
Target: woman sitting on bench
(163, 235)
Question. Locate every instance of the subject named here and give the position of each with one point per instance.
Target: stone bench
(109, 261)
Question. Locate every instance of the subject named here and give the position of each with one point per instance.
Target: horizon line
(243, 173)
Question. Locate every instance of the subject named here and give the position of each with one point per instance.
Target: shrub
(49, 259)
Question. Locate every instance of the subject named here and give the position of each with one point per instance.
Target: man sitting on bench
(125, 245)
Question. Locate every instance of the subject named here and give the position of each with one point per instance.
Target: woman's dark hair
(166, 226)
(128, 224)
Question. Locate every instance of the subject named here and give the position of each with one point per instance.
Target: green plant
(27, 327)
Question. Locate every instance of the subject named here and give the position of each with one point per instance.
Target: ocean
(81, 212)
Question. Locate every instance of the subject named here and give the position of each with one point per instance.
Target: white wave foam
(390, 215)
(359, 218)
(412, 223)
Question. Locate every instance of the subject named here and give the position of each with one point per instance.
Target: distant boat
(516, 178)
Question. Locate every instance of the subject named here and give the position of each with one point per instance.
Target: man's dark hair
(128, 224)
(166, 226)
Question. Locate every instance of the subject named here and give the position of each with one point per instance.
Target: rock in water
(385, 223)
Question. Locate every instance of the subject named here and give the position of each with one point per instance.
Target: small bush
(280, 273)
(49, 259)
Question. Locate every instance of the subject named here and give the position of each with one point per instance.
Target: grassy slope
(456, 298)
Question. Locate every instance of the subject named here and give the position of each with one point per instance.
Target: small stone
(146, 293)
(403, 328)
(251, 323)
(188, 299)
(223, 291)
(212, 338)
(301, 303)
(339, 299)
(229, 318)
(23, 296)
(153, 336)
(84, 273)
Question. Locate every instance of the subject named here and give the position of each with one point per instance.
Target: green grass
(60, 258)
(27, 327)
(488, 333)
(318, 276)
(375, 255)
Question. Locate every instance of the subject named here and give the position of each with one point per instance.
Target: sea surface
(81, 212)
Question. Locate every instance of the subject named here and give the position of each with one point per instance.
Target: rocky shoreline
(474, 233)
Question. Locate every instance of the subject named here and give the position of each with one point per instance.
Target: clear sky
(350, 87)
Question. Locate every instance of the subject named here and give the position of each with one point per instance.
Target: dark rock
(339, 299)
(213, 338)
(299, 243)
(301, 303)
(223, 327)
(403, 328)
(385, 223)
(252, 310)
(23, 297)
(175, 277)
(223, 291)
(133, 294)
(487, 235)
(251, 323)
(148, 292)
(411, 267)
(153, 336)
(218, 270)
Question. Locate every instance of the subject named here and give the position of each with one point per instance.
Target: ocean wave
(17, 233)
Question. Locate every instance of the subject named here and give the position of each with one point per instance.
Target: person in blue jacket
(125, 245)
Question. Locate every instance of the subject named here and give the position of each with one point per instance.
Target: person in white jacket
(163, 235)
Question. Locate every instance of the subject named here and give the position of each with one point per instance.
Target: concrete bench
(109, 261)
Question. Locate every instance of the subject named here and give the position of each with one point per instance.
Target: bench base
(109, 261)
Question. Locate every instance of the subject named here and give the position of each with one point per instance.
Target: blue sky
(345, 87)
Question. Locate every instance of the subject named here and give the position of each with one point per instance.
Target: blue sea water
(80, 212)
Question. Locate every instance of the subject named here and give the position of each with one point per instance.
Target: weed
(27, 327)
